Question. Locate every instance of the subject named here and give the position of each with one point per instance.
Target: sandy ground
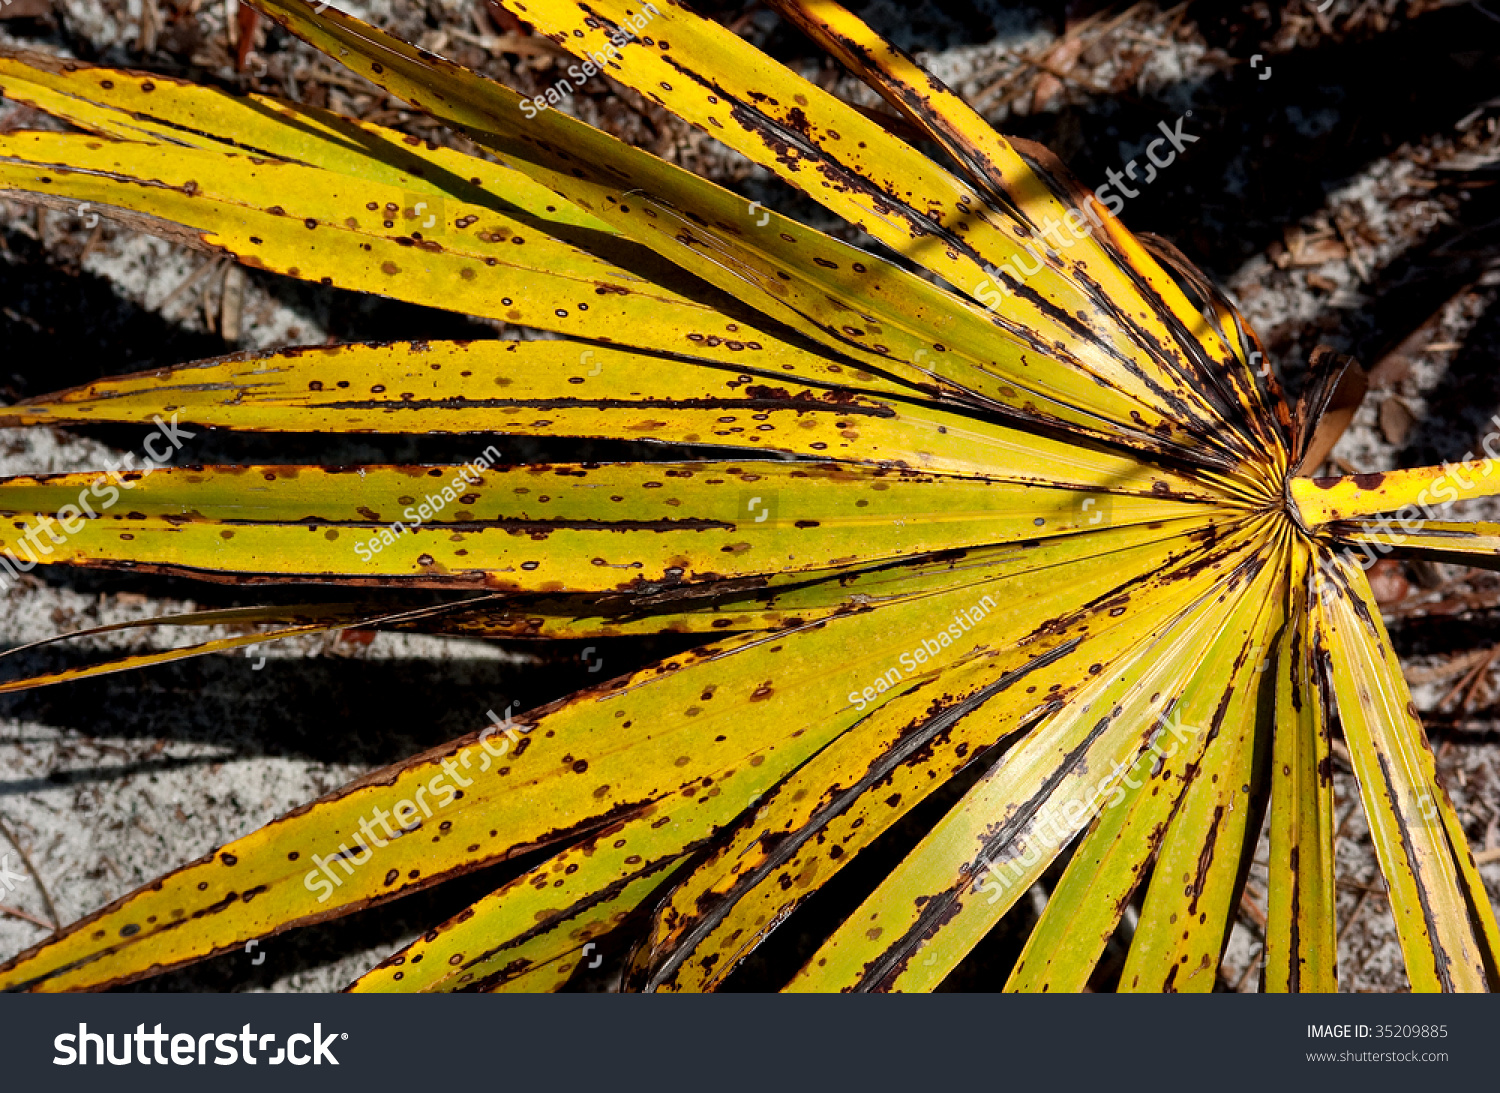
(1339, 190)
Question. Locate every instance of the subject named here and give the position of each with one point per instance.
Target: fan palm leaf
(1009, 502)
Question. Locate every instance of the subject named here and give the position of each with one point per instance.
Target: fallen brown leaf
(1396, 420)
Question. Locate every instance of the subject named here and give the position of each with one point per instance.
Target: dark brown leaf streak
(534, 527)
(1205, 859)
(209, 219)
(1101, 607)
(1190, 774)
(918, 736)
(459, 402)
(849, 405)
(1157, 835)
(992, 185)
(305, 619)
(816, 397)
(388, 776)
(1474, 890)
(913, 106)
(48, 63)
(943, 905)
(552, 922)
(1300, 663)
(779, 136)
(369, 140)
(1200, 365)
(1295, 959)
(837, 336)
(615, 814)
(775, 134)
(1182, 828)
(506, 135)
(499, 978)
(1437, 542)
(1442, 962)
(1343, 529)
(185, 388)
(950, 393)
(1322, 658)
(1258, 390)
